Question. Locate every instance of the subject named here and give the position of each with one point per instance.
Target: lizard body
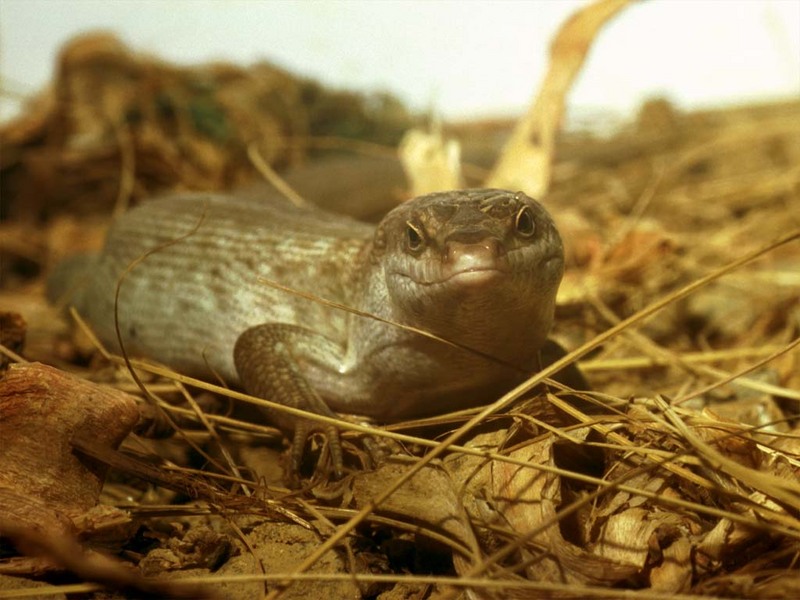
(478, 267)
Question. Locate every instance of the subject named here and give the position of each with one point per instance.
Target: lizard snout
(478, 260)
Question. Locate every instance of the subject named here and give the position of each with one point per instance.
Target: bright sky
(463, 58)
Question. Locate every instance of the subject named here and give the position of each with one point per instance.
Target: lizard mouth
(473, 277)
(468, 277)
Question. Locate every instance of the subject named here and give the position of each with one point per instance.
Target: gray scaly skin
(478, 267)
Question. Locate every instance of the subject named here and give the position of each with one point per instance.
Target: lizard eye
(524, 222)
(415, 240)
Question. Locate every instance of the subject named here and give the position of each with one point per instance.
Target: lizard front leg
(270, 361)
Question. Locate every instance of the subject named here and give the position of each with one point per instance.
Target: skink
(477, 267)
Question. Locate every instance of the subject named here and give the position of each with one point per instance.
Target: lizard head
(471, 259)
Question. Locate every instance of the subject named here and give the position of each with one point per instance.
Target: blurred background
(461, 60)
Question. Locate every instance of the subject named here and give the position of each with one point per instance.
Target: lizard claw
(301, 432)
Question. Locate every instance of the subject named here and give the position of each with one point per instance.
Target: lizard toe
(302, 431)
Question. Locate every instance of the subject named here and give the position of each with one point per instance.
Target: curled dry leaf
(431, 162)
(509, 502)
(526, 161)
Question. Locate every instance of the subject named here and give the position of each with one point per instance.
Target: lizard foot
(302, 431)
